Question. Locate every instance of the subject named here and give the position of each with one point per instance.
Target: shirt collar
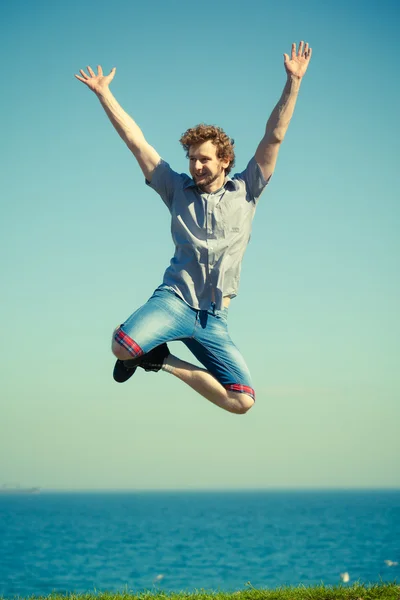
(228, 184)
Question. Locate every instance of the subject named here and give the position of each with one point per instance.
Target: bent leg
(165, 317)
(226, 380)
(206, 384)
(160, 320)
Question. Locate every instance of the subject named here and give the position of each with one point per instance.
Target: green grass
(384, 591)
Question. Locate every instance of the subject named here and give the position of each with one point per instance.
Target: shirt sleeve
(253, 179)
(165, 181)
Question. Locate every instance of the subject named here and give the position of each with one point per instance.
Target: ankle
(168, 365)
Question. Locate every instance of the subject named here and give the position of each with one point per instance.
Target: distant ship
(5, 489)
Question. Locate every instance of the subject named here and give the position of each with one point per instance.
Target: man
(211, 217)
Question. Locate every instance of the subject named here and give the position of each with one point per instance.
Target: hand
(97, 83)
(298, 63)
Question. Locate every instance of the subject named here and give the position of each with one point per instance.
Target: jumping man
(211, 218)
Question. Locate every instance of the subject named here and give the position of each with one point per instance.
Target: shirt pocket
(232, 218)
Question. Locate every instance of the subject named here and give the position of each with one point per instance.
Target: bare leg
(205, 384)
(199, 380)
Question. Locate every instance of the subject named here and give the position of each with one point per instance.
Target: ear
(225, 163)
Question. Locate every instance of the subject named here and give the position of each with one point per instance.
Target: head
(211, 154)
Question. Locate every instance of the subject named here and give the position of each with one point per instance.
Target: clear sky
(84, 243)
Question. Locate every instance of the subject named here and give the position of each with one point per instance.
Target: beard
(207, 180)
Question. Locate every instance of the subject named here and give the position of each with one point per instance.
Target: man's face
(206, 169)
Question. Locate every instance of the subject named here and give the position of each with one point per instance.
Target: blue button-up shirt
(210, 232)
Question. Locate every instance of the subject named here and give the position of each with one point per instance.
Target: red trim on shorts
(128, 343)
(244, 389)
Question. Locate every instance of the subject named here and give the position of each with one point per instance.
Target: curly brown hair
(203, 133)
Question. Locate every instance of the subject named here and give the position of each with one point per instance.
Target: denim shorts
(166, 317)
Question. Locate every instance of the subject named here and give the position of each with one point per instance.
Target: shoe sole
(121, 373)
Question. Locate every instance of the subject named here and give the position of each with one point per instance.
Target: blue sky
(84, 243)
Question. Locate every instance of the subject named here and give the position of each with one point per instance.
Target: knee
(115, 347)
(118, 350)
(243, 403)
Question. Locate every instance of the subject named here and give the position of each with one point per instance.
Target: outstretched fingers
(83, 76)
(304, 51)
(92, 79)
(307, 51)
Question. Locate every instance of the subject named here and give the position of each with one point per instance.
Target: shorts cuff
(128, 343)
(243, 389)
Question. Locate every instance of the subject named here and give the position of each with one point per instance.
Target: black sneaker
(121, 373)
(152, 361)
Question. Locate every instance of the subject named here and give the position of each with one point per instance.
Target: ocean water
(183, 541)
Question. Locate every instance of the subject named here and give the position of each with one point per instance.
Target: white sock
(168, 368)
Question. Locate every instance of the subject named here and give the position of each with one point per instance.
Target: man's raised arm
(278, 123)
(147, 157)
